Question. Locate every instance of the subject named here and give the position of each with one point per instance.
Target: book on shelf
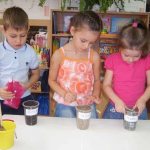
(108, 48)
(55, 44)
(54, 25)
(118, 22)
(59, 42)
(63, 41)
(57, 22)
(61, 22)
(106, 23)
(66, 23)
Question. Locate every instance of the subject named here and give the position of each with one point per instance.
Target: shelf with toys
(38, 37)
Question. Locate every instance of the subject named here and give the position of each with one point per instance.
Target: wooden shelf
(62, 35)
(109, 36)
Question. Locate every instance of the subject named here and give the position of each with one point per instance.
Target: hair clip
(134, 24)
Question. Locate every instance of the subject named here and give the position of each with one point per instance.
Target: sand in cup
(83, 116)
(31, 111)
(130, 119)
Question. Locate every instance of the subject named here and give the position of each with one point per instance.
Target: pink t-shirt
(129, 80)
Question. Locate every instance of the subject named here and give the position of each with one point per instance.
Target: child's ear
(28, 29)
(2, 29)
(72, 30)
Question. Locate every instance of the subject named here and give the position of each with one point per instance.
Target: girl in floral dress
(75, 68)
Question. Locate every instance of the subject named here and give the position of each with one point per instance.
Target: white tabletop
(52, 133)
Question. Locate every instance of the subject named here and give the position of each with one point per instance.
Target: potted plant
(88, 4)
(42, 2)
(103, 4)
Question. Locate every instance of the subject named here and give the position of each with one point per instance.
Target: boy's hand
(4, 94)
(70, 97)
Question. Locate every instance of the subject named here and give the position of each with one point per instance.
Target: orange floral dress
(76, 76)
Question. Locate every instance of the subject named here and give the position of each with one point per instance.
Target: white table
(52, 133)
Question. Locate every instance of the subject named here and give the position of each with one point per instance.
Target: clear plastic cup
(83, 116)
(31, 111)
(130, 119)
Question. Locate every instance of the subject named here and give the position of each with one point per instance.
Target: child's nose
(18, 40)
(86, 45)
(131, 59)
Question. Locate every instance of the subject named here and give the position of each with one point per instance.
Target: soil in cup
(31, 120)
(83, 116)
(31, 111)
(130, 119)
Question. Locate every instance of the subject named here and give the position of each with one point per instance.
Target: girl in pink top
(127, 78)
(75, 68)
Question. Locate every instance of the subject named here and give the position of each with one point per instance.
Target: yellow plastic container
(7, 136)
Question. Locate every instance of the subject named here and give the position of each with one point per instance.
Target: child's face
(83, 39)
(130, 56)
(16, 38)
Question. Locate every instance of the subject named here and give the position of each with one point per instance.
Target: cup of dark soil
(130, 118)
(83, 116)
(31, 111)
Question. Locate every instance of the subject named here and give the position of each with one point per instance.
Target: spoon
(1, 127)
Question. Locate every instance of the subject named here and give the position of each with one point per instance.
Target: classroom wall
(36, 12)
(31, 7)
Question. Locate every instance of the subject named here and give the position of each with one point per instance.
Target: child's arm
(35, 74)
(52, 80)
(141, 102)
(107, 87)
(96, 70)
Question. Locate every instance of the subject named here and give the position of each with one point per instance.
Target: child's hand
(140, 105)
(4, 94)
(97, 99)
(70, 97)
(91, 99)
(120, 106)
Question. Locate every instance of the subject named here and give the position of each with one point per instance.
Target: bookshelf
(38, 38)
(112, 22)
(107, 44)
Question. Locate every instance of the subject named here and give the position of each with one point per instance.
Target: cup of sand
(83, 114)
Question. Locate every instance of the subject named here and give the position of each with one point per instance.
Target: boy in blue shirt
(16, 58)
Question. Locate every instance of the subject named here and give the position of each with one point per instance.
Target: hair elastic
(134, 24)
